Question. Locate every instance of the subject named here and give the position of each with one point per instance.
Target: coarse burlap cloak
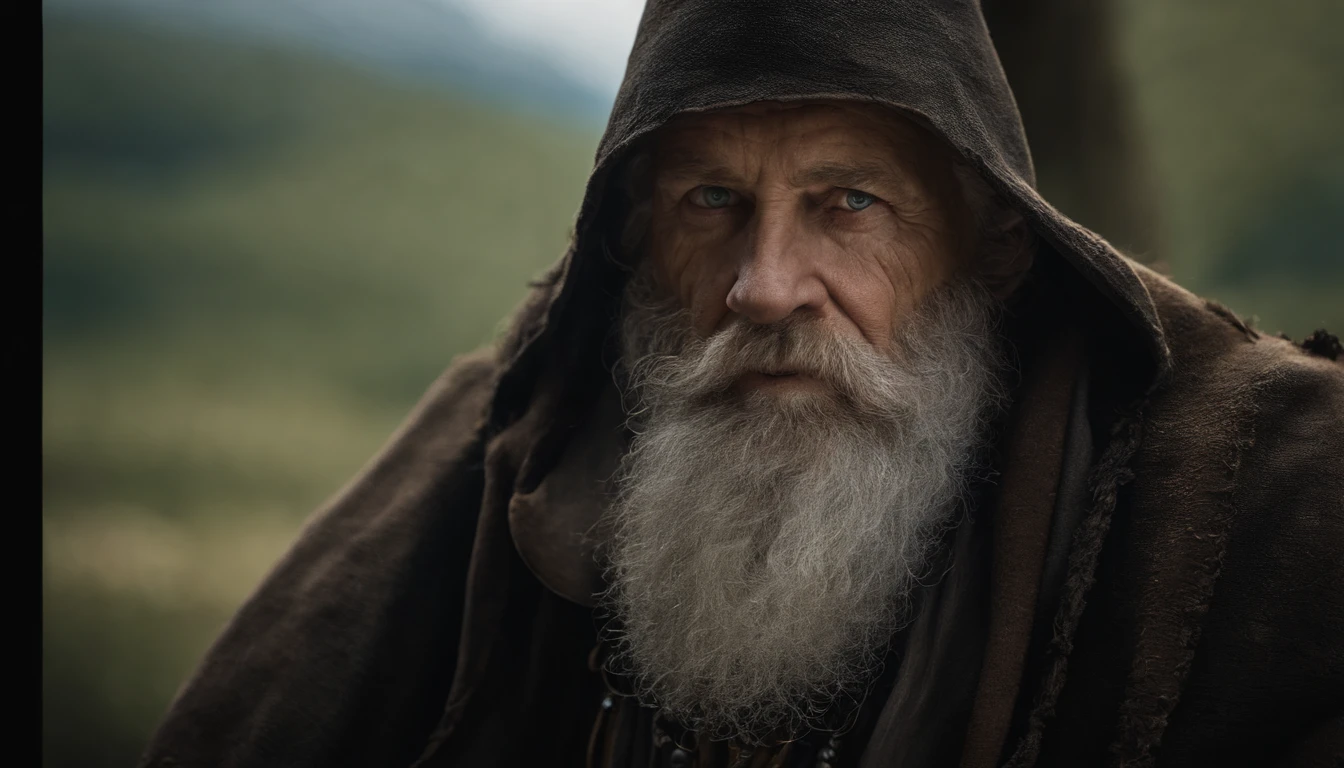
(1165, 589)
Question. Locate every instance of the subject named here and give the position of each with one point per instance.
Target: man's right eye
(714, 197)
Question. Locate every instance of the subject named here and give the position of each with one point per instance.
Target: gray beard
(765, 546)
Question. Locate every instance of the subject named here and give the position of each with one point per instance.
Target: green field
(255, 261)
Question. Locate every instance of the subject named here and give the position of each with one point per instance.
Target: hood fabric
(932, 60)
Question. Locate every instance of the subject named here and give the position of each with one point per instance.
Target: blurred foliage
(255, 260)
(1241, 104)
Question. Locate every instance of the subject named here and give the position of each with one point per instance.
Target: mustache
(705, 369)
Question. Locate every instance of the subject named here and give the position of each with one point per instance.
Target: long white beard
(765, 546)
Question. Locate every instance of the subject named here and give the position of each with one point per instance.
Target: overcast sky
(590, 38)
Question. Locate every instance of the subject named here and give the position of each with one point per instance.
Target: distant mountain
(420, 39)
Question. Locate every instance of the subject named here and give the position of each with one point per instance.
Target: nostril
(765, 299)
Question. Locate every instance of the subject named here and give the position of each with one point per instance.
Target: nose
(776, 276)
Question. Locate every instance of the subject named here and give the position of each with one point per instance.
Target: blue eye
(857, 201)
(716, 197)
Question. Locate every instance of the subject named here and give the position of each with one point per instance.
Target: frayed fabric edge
(1111, 472)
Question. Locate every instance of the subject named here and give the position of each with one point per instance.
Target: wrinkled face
(810, 379)
(845, 213)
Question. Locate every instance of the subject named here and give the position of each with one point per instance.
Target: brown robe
(1165, 547)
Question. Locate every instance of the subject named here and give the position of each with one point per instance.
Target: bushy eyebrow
(847, 175)
(688, 166)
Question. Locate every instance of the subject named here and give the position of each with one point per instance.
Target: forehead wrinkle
(684, 165)
(706, 162)
(861, 149)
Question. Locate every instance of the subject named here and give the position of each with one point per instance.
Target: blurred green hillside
(1241, 104)
(254, 262)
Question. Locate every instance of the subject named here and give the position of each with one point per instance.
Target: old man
(828, 443)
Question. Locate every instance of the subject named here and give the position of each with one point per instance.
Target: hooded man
(828, 443)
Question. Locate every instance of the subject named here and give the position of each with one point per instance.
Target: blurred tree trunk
(1063, 62)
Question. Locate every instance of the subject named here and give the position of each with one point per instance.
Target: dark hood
(931, 59)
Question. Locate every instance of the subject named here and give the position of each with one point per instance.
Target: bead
(607, 703)
(679, 758)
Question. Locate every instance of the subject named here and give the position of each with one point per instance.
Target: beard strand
(765, 547)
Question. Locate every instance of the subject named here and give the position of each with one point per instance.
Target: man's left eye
(857, 201)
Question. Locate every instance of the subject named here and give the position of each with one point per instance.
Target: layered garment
(1154, 578)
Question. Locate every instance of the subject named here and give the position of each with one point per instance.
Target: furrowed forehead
(866, 145)
(844, 144)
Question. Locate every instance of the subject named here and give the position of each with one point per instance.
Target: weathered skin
(787, 238)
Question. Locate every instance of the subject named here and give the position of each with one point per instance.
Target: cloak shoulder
(345, 652)
(1219, 607)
